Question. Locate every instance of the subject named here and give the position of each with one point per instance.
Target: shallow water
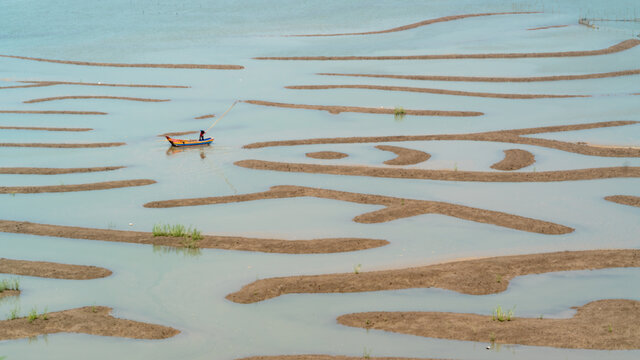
(187, 291)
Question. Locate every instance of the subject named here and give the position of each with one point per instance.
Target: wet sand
(54, 171)
(75, 187)
(93, 97)
(324, 357)
(394, 208)
(22, 86)
(52, 270)
(622, 46)
(53, 83)
(64, 145)
(207, 116)
(162, 66)
(92, 320)
(493, 78)
(8, 293)
(419, 24)
(514, 159)
(52, 112)
(315, 246)
(474, 277)
(548, 27)
(515, 136)
(43, 128)
(445, 175)
(327, 155)
(333, 109)
(405, 156)
(624, 200)
(598, 325)
(435, 91)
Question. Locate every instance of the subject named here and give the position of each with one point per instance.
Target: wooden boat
(183, 142)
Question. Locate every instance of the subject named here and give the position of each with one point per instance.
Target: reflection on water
(191, 252)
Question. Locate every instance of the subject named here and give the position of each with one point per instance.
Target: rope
(225, 113)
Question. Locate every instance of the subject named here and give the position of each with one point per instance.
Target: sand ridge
(52, 270)
(75, 187)
(598, 325)
(206, 116)
(33, 128)
(514, 159)
(55, 171)
(54, 83)
(327, 155)
(64, 145)
(394, 208)
(547, 27)
(162, 66)
(405, 156)
(93, 97)
(315, 246)
(624, 200)
(178, 133)
(334, 109)
(474, 277)
(92, 320)
(53, 112)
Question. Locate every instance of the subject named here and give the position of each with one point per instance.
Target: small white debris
(488, 347)
(130, 224)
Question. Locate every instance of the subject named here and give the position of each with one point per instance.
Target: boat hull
(183, 142)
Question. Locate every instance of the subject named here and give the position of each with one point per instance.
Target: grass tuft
(501, 316)
(33, 315)
(6, 284)
(356, 269)
(14, 313)
(399, 113)
(191, 236)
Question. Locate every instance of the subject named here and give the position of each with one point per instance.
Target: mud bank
(43, 128)
(63, 145)
(514, 159)
(93, 97)
(52, 270)
(54, 83)
(52, 112)
(54, 171)
(624, 200)
(405, 156)
(161, 66)
(326, 155)
(75, 187)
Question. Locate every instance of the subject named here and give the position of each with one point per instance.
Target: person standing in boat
(202, 135)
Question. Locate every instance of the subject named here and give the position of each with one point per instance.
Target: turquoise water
(187, 292)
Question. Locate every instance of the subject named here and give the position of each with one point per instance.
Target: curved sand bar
(43, 128)
(548, 27)
(333, 109)
(54, 171)
(53, 112)
(93, 97)
(206, 116)
(516, 136)
(435, 91)
(76, 187)
(394, 208)
(419, 24)
(474, 277)
(316, 246)
(52, 270)
(514, 159)
(92, 320)
(326, 155)
(493, 78)
(405, 156)
(162, 66)
(598, 325)
(624, 200)
(622, 46)
(63, 145)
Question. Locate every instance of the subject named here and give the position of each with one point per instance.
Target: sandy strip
(326, 155)
(52, 270)
(92, 320)
(52, 112)
(75, 187)
(333, 109)
(598, 325)
(53, 83)
(207, 116)
(54, 171)
(93, 97)
(493, 78)
(324, 357)
(315, 246)
(419, 24)
(394, 208)
(548, 27)
(162, 66)
(624, 45)
(63, 145)
(445, 175)
(625, 200)
(405, 156)
(473, 277)
(515, 136)
(514, 159)
(179, 133)
(42, 128)
(23, 86)
(435, 91)
(8, 293)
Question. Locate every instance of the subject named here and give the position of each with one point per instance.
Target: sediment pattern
(43, 128)
(473, 277)
(547, 27)
(326, 155)
(54, 171)
(75, 187)
(53, 112)
(162, 66)
(52, 270)
(64, 145)
(178, 133)
(514, 159)
(405, 156)
(53, 83)
(624, 200)
(207, 116)
(93, 97)
(394, 208)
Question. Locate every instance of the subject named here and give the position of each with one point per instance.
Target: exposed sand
(75, 187)
(52, 270)
(54, 171)
(514, 159)
(548, 27)
(494, 78)
(419, 24)
(64, 145)
(333, 109)
(445, 175)
(93, 97)
(207, 116)
(473, 277)
(316, 246)
(324, 357)
(624, 200)
(326, 155)
(52, 112)
(405, 156)
(435, 91)
(598, 325)
(163, 66)
(179, 133)
(8, 293)
(42, 128)
(92, 320)
(515, 136)
(53, 83)
(394, 208)
(22, 86)
(624, 45)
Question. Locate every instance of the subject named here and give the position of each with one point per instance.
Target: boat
(183, 142)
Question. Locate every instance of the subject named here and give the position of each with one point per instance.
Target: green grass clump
(14, 313)
(6, 284)
(500, 315)
(33, 315)
(45, 314)
(191, 236)
(399, 113)
(356, 269)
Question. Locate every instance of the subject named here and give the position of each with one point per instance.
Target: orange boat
(183, 142)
